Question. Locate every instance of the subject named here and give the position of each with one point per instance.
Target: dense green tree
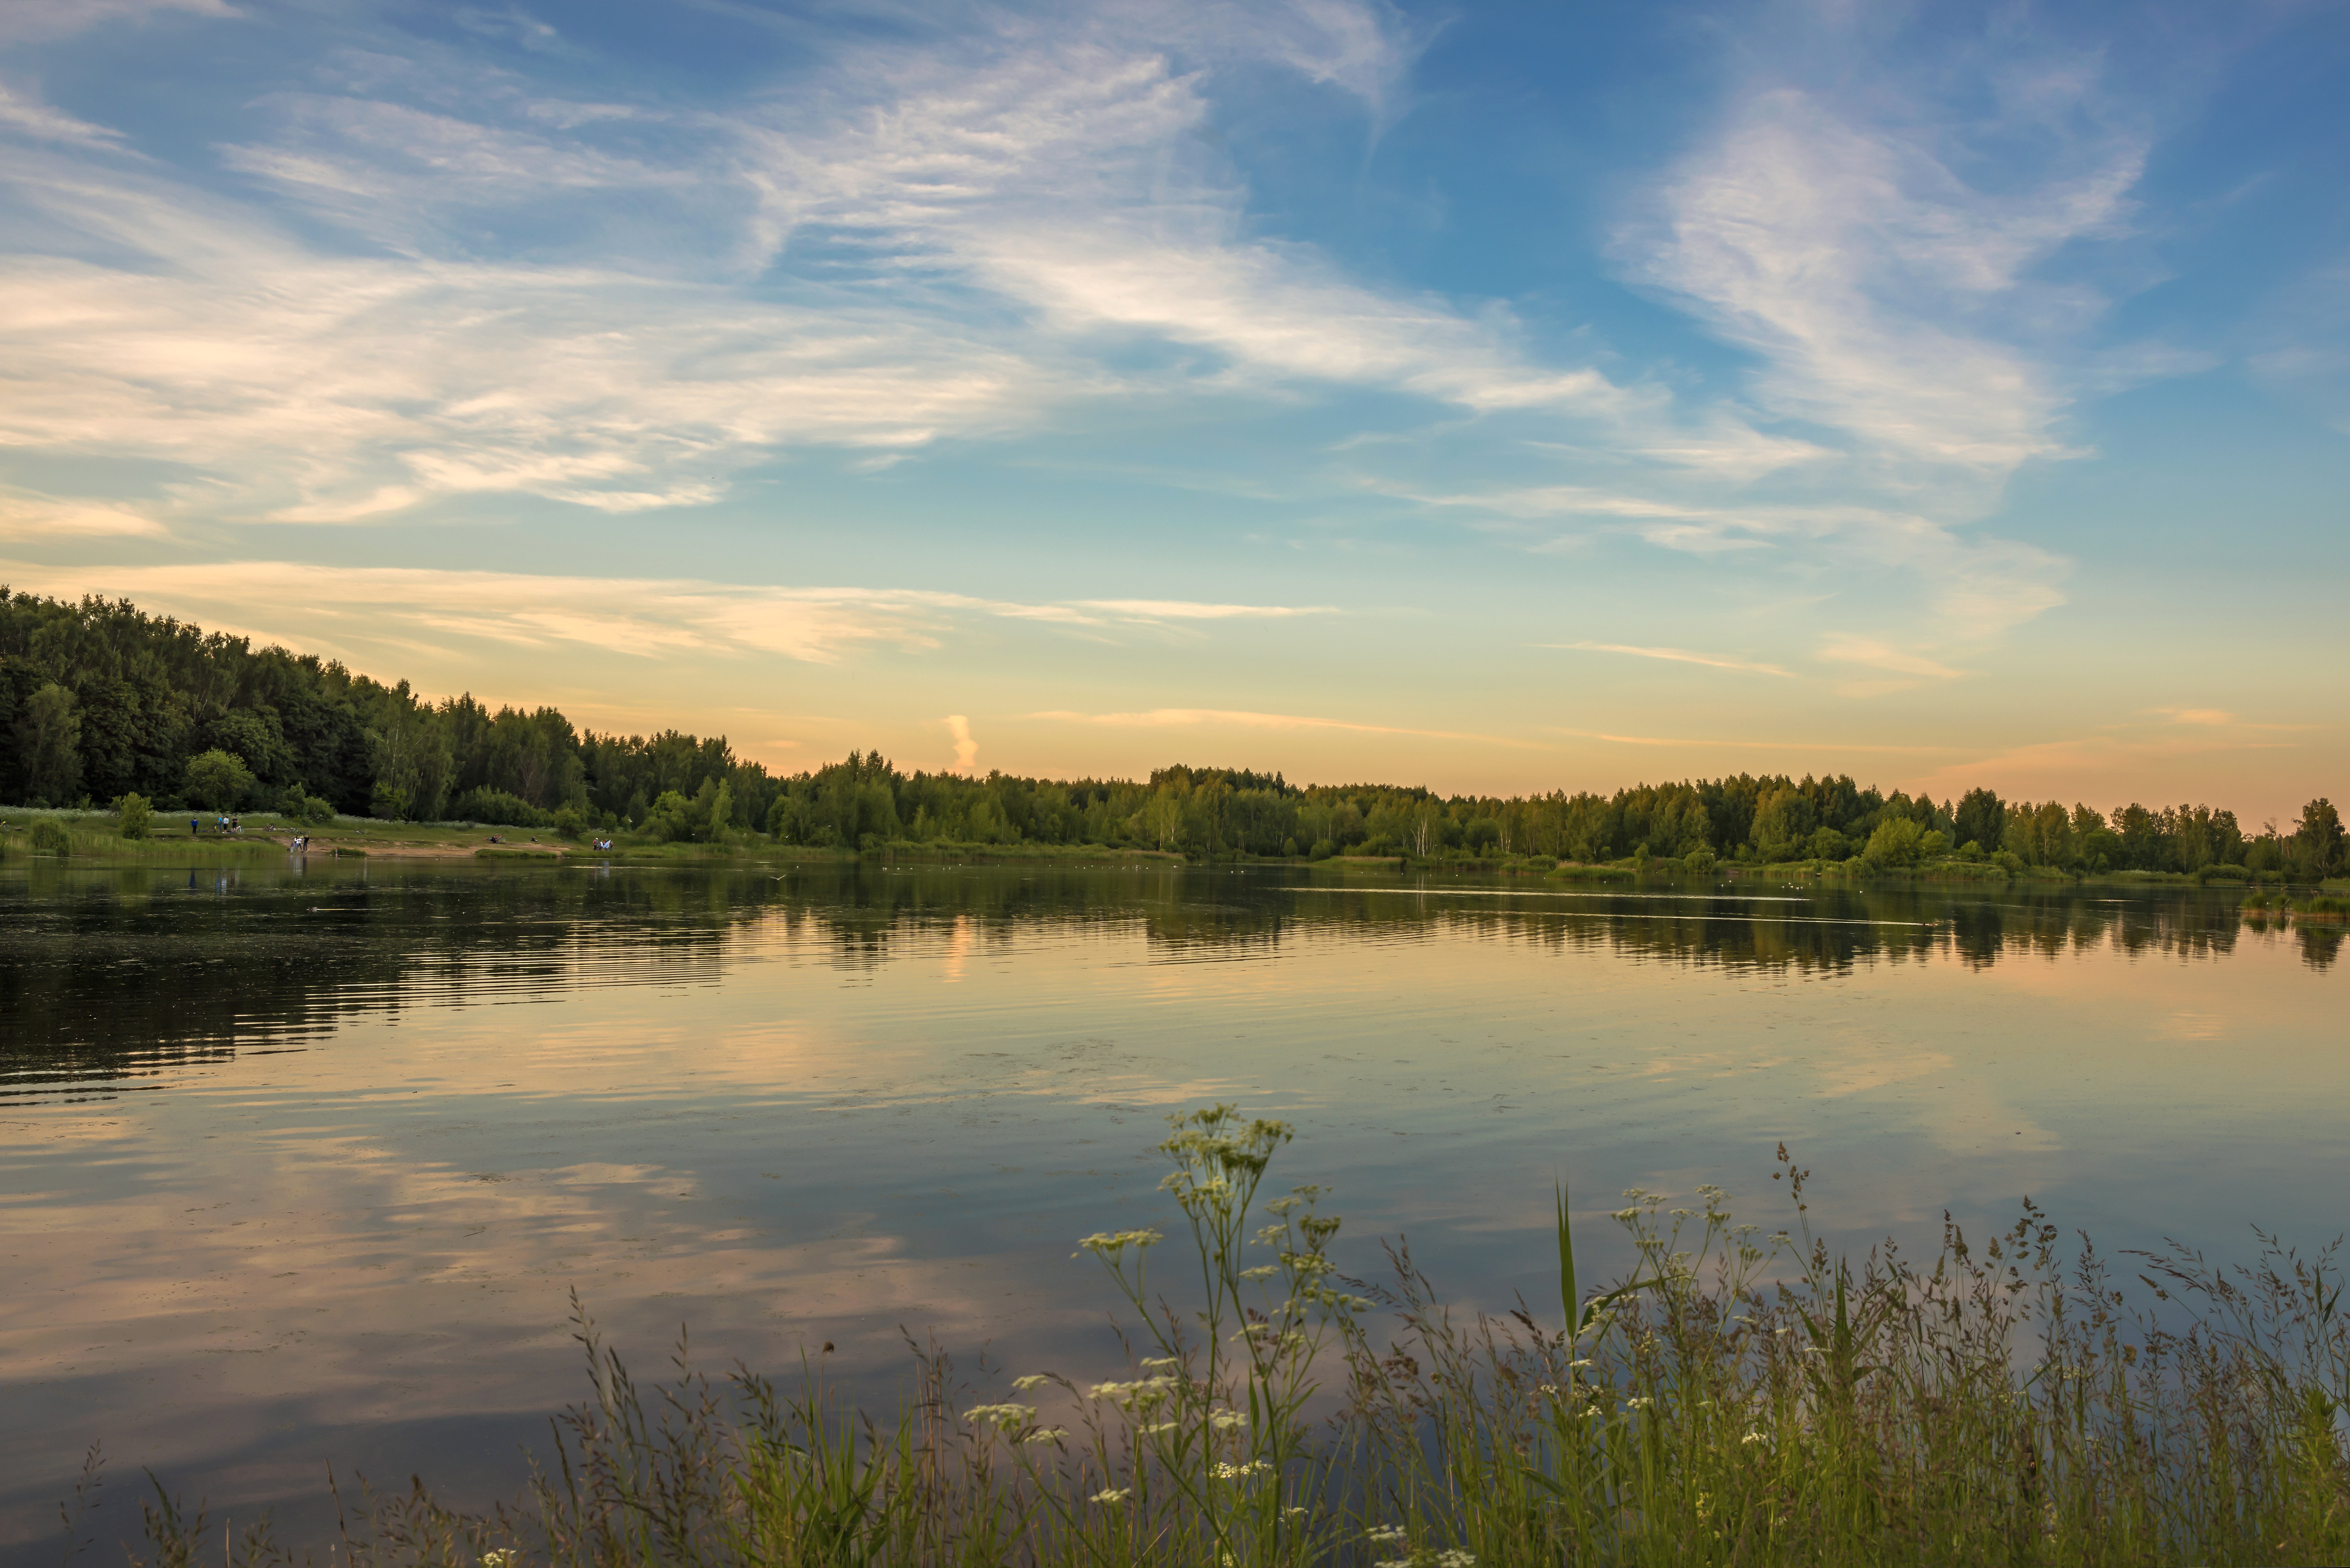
(1979, 818)
(1897, 841)
(217, 780)
(2317, 839)
(48, 738)
(1784, 824)
(100, 698)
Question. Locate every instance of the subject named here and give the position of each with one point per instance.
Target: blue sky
(1493, 397)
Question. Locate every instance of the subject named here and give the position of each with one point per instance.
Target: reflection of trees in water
(110, 977)
(870, 915)
(107, 977)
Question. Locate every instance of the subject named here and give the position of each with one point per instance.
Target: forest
(100, 703)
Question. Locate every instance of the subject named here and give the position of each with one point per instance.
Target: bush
(1322, 849)
(137, 815)
(217, 780)
(317, 812)
(497, 808)
(49, 837)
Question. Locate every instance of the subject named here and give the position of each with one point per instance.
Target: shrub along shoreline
(1741, 1398)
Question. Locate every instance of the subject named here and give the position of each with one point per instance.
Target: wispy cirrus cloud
(623, 306)
(25, 515)
(1890, 299)
(1675, 656)
(1243, 718)
(644, 617)
(38, 21)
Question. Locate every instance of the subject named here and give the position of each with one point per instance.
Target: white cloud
(949, 238)
(1062, 166)
(1845, 648)
(25, 516)
(1874, 279)
(25, 113)
(35, 21)
(966, 749)
(1675, 656)
(647, 617)
(1178, 610)
(1243, 718)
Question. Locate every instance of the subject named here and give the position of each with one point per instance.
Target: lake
(303, 1162)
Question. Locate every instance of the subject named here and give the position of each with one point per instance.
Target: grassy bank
(1742, 1397)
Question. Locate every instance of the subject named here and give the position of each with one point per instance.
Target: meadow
(1741, 1396)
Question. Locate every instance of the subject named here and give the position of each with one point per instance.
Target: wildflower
(1159, 1362)
(502, 1558)
(1113, 1494)
(1261, 1272)
(1110, 1244)
(1704, 1505)
(1638, 1402)
(1752, 1438)
(1225, 1420)
(1156, 1428)
(1046, 1434)
(1292, 1513)
(1034, 1378)
(1004, 1415)
(1239, 1472)
(1384, 1536)
(1455, 1559)
(1577, 1365)
(1140, 1394)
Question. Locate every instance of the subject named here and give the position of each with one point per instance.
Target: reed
(1739, 1398)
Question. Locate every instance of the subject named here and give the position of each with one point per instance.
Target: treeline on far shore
(101, 703)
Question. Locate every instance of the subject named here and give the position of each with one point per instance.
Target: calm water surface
(304, 1163)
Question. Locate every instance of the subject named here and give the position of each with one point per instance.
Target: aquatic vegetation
(1741, 1398)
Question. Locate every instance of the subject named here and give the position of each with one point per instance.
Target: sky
(1495, 397)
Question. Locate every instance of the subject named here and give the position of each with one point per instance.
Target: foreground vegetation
(1740, 1398)
(102, 704)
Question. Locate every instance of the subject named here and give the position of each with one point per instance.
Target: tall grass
(1739, 1398)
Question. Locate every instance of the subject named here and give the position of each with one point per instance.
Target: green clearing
(1743, 1398)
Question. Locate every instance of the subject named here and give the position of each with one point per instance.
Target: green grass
(1570, 871)
(1739, 1398)
(93, 837)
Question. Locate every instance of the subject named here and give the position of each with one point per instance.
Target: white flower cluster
(1004, 1415)
(1046, 1434)
(1384, 1535)
(1225, 1420)
(1110, 1244)
(502, 1558)
(1139, 1395)
(1031, 1381)
(1239, 1472)
(1113, 1494)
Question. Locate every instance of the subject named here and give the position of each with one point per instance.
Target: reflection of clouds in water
(933, 1149)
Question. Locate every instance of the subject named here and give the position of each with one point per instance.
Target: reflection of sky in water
(287, 1157)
